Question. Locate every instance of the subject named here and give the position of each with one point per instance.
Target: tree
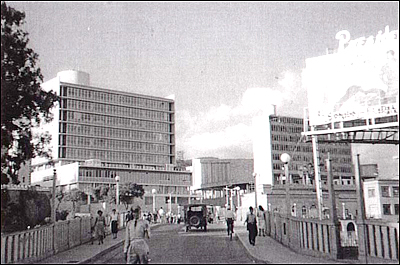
(74, 196)
(101, 192)
(130, 191)
(24, 105)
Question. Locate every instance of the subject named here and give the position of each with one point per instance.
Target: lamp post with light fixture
(285, 158)
(53, 198)
(154, 192)
(117, 178)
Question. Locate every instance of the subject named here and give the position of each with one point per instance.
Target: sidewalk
(267, 250)
(86, 252)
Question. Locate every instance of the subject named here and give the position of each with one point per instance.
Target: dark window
(385, 191)
(395, 191)
(396, 209)
(386, 209)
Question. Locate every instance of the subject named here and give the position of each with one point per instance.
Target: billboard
(358, 82)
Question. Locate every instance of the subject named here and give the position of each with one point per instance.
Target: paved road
(171, 244)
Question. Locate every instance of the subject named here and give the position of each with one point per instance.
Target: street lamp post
(255, 190)
(170, 203)
(53, 199)
(226, 196)
(285, 158)
(117, 190)
(237, 189)
(154, 191)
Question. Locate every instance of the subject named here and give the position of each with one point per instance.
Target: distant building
(212, 177)
(381, 197)
(98, 134)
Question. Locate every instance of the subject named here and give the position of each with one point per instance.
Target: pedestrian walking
(136, 249)
(251, 221)
(161, 214)
(261, 221)
(114, 223)
(99, 226)
(230, 219)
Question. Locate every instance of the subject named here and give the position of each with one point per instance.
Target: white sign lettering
(346, 44)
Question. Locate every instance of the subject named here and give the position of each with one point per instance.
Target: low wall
(307, 236)
(39, 243)
(382, 240)
(321, 238)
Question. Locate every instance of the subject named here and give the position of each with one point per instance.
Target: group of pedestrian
(252, 220)
(137, 230)
(98, 230)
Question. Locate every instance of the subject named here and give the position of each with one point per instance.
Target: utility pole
(333, 211)
(317, 175)
(255, 191)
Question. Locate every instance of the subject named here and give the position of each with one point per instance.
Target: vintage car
(196, 215)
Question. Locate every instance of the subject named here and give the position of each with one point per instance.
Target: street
(171, 244)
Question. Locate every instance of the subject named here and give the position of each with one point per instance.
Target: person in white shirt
(230, 218)
(161, 215)
(135, 247)
(251, 226)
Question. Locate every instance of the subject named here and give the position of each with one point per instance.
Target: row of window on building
(309, 159)
(107, 120)
(386, 191)
(117, 133)
(302, 168)
(116, 98)
(104, 109)
(286, 128)
(112, 144)
(142, 177)
(287, 120)
(123, 157)
(336, 150)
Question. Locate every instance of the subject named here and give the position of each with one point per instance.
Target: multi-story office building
(286, 138)
(108, 133)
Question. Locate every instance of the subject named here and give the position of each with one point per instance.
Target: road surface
(171, 244)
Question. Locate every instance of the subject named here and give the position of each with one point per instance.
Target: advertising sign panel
(359, 81)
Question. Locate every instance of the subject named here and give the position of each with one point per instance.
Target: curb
(249, 252)
(111, 248)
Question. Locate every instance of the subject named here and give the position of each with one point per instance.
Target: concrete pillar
(333, 213)
(362, 246)
(371, 237)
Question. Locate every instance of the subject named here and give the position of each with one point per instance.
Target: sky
(223, 61)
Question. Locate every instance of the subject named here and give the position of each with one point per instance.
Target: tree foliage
(129, 191)
(24, 105)
(23, 208)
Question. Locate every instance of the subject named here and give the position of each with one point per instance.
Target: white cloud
(226, 131)
(222, 113)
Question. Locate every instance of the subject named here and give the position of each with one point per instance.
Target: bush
(23, 208)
